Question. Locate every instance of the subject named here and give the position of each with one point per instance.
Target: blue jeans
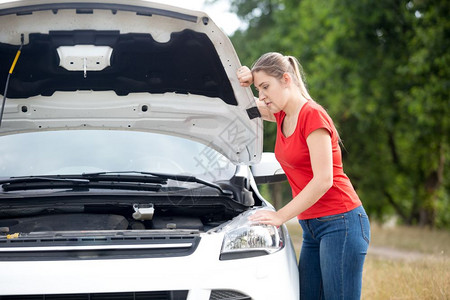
(332, 256)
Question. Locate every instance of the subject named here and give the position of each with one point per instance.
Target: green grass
(424, 275)
(415, 239)
(399, 279)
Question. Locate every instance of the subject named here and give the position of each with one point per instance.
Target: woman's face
(271, 90)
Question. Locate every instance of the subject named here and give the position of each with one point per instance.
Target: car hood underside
(136, 66)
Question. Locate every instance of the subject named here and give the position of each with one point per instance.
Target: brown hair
(275, 64)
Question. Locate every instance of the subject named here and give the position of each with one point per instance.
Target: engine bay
(115, 217)
(97, 222)
(102, 231)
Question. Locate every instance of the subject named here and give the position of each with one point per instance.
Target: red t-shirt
(293, 154)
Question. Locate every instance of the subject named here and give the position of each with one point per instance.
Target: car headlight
(244, 238)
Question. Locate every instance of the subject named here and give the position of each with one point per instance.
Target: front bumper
(273, 276)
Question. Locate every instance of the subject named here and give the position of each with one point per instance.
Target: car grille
(227, 295)
(94, 245)
(160, 295)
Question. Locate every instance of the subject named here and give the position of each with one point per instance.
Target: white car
(130, 158)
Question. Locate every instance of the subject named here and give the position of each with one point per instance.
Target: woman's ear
(286, 79)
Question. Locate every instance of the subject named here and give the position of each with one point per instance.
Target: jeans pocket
(330, 218)
(365, 227)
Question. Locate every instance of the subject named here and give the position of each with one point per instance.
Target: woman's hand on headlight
(266, 217)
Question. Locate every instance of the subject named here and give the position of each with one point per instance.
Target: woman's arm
(319, 145)
(246, 79)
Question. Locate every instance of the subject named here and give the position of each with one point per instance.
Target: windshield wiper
(80, 182)
(38, 182)
(163, 177)
(103, 180)
(29, 179)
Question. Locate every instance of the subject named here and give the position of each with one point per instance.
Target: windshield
(86, 151)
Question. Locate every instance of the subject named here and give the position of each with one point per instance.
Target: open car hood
(126, 65)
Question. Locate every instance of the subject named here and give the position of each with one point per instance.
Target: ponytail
(299, 75)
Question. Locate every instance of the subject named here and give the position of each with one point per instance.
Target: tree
(426, 103)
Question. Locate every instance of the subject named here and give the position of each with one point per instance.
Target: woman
(336, 229)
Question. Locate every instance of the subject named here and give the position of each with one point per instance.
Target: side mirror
(268, 170)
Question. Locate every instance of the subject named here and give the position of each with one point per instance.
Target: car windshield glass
(87, 151)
